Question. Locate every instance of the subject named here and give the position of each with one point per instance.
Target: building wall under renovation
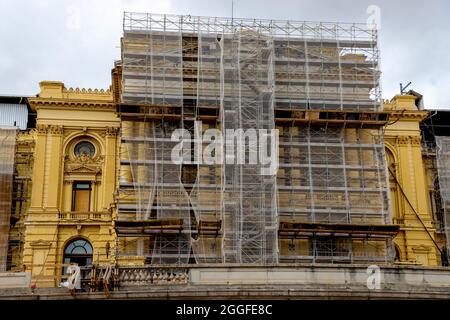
(7, 155)
(21, 197)
(256, 75)
(341, 165)
(47, 233)
(443, 166)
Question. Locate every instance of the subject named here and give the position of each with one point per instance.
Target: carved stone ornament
(111, 131)
(403, 140)
(83, 164)
(415, 141)
(54, 129)
(42, 129)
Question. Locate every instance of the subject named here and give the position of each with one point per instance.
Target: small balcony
(87, 217)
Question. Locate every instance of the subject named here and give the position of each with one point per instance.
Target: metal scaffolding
(249, 208)
(21, 197)
(317, 83)
(7, 155)
(443, 170)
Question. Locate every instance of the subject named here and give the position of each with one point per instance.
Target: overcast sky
(77, 41)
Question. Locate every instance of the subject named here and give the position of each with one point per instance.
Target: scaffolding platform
(149, 226)
(294, 229)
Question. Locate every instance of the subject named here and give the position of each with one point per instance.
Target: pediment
(83, 164)
(82, 168)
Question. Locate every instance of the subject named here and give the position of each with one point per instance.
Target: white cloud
(78, 41)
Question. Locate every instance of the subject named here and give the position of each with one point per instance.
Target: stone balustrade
(80, 216)
(145, 275)
(390, 277)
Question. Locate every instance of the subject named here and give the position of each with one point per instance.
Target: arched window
(396, 213)
(78, 251)
(85, 148)
(390, 159)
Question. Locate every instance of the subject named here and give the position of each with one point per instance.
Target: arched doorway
(78, 251)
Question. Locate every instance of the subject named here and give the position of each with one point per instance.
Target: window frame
(74, 192)
(87, 142)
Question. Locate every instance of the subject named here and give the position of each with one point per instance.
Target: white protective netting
(154, 186)
(7, 156)
(443, 166)
(237, 74)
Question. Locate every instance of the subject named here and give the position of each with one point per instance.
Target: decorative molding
(26, 135)
(52, 129)
(403, 140)
(56, 130)
(89, 105)
(421, 249)
(89, 90)
(83, 164)
(415, 140)
(111, 131)
(416, 115)
(42, 128)
(26, 142)
(41, 244)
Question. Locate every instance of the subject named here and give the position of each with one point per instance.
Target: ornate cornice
(78, 104)
(418, 115)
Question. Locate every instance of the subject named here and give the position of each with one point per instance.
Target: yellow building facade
(72, 193)
(409, 181)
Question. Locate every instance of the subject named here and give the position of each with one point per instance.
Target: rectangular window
(81, 196)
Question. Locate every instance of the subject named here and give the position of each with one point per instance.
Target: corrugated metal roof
(13, 115)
